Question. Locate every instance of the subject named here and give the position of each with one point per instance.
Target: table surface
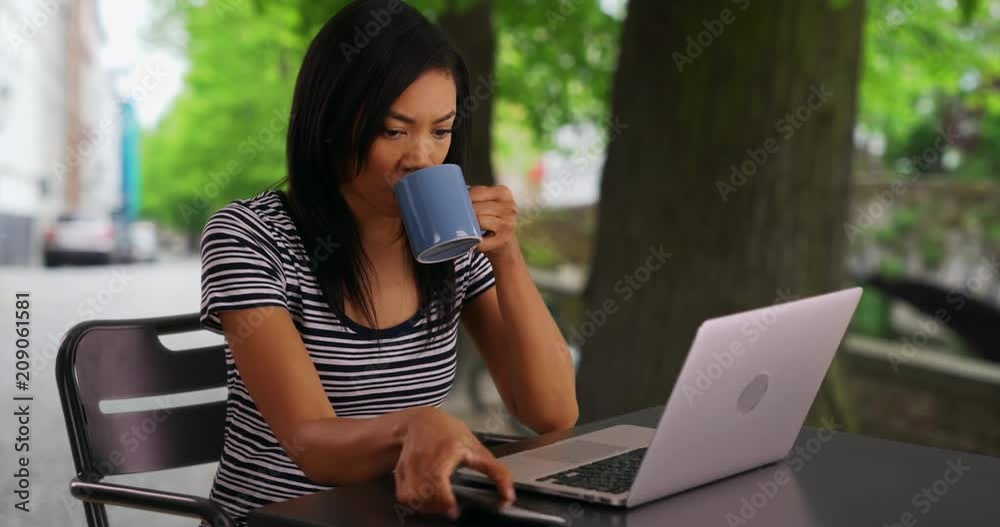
(829, 479)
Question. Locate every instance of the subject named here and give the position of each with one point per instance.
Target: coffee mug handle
(486, 232)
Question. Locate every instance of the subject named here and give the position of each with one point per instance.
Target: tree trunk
(473, 32)
(686, 114)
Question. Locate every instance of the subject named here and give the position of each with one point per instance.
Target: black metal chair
(974, 320)
(104, 360)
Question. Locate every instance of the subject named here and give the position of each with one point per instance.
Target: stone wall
(923, 396)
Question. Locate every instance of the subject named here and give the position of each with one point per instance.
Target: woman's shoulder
(265, 205)
(261, 215)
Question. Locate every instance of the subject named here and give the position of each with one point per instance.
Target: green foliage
(984, 161)
(994, 231)
(932, 248)
(917, 147)
(555, 60)
(905, 218)
(244, 58)
(545, 65)
(538, 254)
(887, 235)
(224, 138)
(919, 56)
(873, 317)
(546, 75)
(892, 267)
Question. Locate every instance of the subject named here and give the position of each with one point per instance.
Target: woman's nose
(418, 157)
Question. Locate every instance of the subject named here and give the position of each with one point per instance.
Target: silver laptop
(739, 402)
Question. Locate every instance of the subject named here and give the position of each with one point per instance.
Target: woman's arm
(422, 444)
(284, 385)
(526, 353)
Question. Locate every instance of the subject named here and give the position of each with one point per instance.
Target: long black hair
(358, 64)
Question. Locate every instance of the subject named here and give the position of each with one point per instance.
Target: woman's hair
(357, 65)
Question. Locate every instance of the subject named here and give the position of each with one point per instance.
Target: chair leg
(97, 514)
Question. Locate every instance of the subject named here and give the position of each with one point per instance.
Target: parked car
(144, 241)
(76, 239)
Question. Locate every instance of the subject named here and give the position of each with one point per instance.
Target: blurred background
(774, 150)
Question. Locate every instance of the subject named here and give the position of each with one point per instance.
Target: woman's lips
(394, 179)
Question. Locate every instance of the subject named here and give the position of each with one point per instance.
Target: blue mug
(437, 213)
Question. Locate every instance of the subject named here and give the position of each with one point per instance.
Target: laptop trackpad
(575, 451)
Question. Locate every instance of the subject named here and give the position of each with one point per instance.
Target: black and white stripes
(252, 256)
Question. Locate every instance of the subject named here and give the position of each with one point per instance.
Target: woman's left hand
(496, 211)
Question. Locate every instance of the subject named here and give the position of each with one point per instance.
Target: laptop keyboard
(614, 474)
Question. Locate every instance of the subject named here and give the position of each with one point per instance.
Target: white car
(144, 241)
(83, 239)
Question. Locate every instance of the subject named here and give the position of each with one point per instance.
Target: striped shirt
(251, 256)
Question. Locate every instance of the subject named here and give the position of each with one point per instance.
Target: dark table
(829, 479)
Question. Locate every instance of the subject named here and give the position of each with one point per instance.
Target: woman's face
(417, 134)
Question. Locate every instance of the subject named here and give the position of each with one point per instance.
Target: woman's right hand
(434, 445)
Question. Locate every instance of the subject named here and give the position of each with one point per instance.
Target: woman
(328, 318)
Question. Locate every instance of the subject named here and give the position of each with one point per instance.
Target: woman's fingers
(487, 193)
(435, 446)
(497, 213)
(446, 465)
(429, 491)
(483, 461)
(501, 232)
(495, 208)
(428, 483)
(499, 225)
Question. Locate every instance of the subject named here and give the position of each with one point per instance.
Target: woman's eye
(442, 132)
(390, 133)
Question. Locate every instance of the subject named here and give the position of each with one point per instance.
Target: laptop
(739, 402)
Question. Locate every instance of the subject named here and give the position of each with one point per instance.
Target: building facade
(60, 132)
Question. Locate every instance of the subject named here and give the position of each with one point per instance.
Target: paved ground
(61, 298)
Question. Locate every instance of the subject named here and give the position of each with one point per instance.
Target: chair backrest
(105, 360)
